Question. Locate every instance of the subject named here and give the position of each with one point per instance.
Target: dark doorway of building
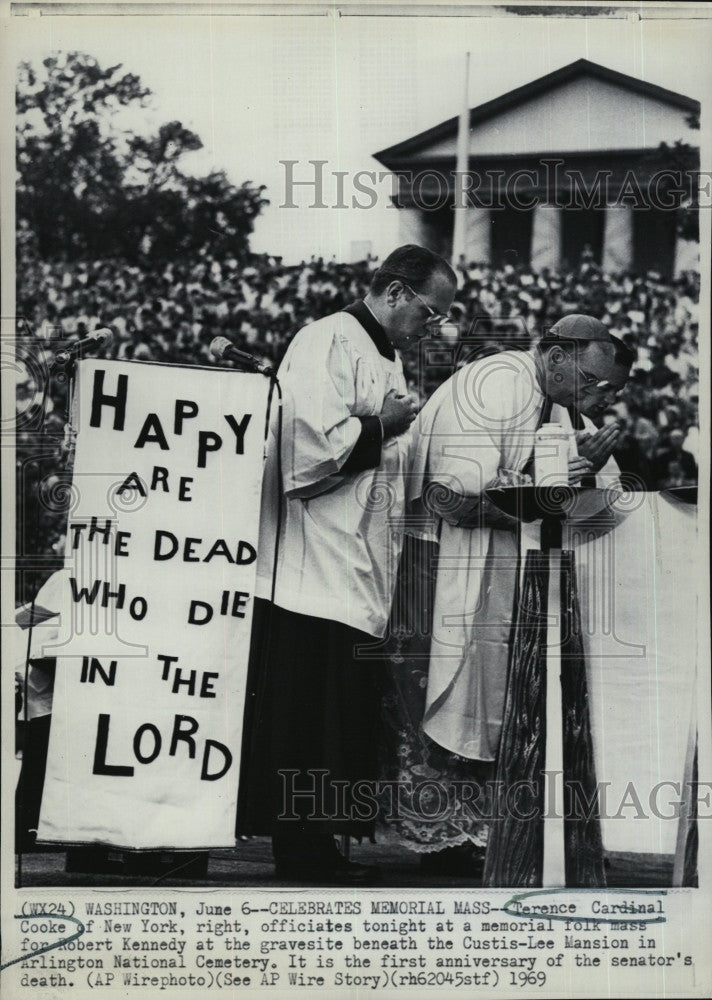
(654, 241)
(511, 237)
(581, 228)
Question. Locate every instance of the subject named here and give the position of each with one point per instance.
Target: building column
(412, 227)
(618, 238)
(687, 255)
(546, 237)
(478, 235)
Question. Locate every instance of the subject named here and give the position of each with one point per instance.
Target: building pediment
(580, 108)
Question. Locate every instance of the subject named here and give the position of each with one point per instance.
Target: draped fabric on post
(638, 600)
(515, 855)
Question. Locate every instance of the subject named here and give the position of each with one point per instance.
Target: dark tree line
(680, 166)
(94, 185)
(87, 187)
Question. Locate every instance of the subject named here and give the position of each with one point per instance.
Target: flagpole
(461, 167)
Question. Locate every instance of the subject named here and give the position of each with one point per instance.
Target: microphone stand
(245, 366)
(67, 372)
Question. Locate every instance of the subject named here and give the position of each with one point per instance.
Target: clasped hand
(398, 413)
(597, 447)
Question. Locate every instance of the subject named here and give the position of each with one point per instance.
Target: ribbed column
(687, 255)
(478, 235)
(546, 237)
(618, 238)
(412, 227)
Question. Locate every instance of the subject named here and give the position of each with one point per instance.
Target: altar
(601, 685)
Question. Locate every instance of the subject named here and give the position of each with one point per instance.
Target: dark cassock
(333, 499)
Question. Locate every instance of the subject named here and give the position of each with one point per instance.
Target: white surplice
(481, 421)
(341, 533)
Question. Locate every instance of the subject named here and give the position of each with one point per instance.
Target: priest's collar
(360, 311)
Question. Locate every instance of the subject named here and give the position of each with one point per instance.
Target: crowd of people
(172, 315)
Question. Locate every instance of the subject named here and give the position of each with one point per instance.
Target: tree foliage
(680, 166)
(89, 186)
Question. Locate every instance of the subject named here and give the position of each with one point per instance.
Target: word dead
(166, 545)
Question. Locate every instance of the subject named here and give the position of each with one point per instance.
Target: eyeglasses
(439, 324)
(435, 319)
(593, 384)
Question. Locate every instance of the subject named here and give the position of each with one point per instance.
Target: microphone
(100, 336)
(221, 347)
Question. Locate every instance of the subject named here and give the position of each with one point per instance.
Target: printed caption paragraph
(510, 941)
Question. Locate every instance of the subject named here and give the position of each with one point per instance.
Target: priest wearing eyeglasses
(477, 431)
(333, 497)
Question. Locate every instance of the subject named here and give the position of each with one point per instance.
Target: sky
(336, 87)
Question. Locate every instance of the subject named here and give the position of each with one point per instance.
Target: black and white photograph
(355, 466)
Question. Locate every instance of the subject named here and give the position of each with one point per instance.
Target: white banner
(154, 639)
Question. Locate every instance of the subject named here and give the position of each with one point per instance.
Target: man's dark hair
(412, 265)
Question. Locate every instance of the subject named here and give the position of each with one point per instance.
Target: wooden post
(553, 867)
(461, 165)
